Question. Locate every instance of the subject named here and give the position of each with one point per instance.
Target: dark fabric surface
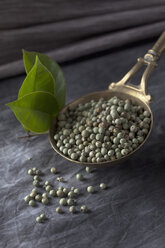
(130, 213)
(67, 30)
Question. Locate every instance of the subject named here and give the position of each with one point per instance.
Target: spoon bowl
(96, 96)
(124, 90)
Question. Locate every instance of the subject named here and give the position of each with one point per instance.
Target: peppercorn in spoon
(104, 128)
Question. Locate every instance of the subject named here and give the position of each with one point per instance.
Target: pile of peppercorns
(100, 131)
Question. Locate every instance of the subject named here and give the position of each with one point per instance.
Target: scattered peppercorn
(72, 209)
(103, 186)
(59, 210)
(79, 177)
(84, 209)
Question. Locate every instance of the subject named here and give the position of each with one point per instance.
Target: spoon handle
(159, 46)
(151, 58)
(150, 61)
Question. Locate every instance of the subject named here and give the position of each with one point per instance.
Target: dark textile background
(98, 41)
(66, 30)
(129, 214)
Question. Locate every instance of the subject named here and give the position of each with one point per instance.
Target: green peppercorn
(60, 179)
(33, 194)
(116, 140)
(122, 141)
(76, 191)
(140, 139)
(146, 113)
(60, 193)
(91, 154)
(56, 137)
(32, 203)
(90, 189)
(35, 190)
(99, 136)
(34, 169)
(144, 130)
(61, 148)
(71, 194)
(79, 177)
(135, 141)
(118, 155)
(88, 169)
(134, 146)
(59, 143)
(47, 183)
(125, 126)
(114, 114)
(124, 152)
(109, 118)
(59, 210)
(70, 202)
(48, 188)
(73, 156)
(146, 120)
(42, 216)
(120, 135)
(106, 157)
(72, 141)
(87, 150)
(98, 155)
(36, 177)
(103, 186)
(52, 192)
(98, 144)
(53, 170)
(85, 133)
(36, 183)
(39, 219)
(93, 160)
(30, 172)
(65, 191)
(84, 209)
(63, 202)
(101, 130)
(66, 132)
(133, 128)
(38, 197)
(82, 159)
(27, 198)
(45, 201)
(98, 160)
(95, 130)
(72, 209)
(45, 195)
(111, 153)
(104, 151)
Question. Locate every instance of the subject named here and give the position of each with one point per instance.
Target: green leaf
(35, 111)
(54, 68)
(38, 79)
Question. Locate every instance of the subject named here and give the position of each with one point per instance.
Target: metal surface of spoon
(137, 94)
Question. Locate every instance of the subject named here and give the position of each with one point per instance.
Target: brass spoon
(138, 94)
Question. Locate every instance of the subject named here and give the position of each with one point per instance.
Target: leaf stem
(30, 135)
